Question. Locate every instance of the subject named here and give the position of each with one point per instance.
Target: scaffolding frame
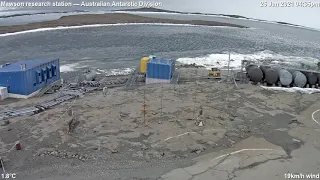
(132, 80)
(230, 79)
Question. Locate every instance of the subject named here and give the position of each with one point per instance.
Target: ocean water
(117, 49)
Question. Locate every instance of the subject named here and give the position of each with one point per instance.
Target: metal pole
(242, 71)
(161, 99)
(178, 100)
(228, 77)
(4, 171)
(195, 97)
(144, 106)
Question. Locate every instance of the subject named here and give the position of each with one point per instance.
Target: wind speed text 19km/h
(287, 4)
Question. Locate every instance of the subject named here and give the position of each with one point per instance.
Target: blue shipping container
(160, 68)
(28, 76)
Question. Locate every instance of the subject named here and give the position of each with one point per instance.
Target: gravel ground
(113, 139)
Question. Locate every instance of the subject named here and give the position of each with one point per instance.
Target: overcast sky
(305, 16)
(251, 8)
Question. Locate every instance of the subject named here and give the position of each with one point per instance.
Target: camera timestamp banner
(83, 4)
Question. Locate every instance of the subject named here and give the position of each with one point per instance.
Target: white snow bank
(293, 89)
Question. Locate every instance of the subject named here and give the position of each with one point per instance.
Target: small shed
(160, 70)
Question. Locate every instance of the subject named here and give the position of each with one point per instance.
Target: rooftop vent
(23, 66)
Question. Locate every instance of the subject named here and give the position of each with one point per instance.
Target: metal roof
(160, 61)
(29, 64)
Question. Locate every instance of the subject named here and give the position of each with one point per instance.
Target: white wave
(68, 67)
(87, 58)
(72, 67)
(116, 72)
(221, 60)
(100, 25)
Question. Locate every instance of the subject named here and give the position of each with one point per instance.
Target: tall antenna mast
(178, 101)
(195, 96)
(161, 101)
(144, 110)
(228, 76)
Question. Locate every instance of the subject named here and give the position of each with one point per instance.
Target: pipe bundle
(281, 76)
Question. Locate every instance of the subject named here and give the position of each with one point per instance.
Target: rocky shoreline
(108, 18)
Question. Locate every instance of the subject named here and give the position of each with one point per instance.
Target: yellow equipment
(143, 64)
(215, 72)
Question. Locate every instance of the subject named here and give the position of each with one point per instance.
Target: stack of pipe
(299, 79)
(270, 75)
(311, 77)
(254, 73)
(285, 77)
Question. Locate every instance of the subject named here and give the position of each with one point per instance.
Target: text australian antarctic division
(121, 4)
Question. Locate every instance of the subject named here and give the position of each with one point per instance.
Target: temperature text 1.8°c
(8, 176)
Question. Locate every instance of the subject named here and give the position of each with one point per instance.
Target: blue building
(25, 78)
(159, 70)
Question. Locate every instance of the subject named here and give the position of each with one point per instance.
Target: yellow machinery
(143, 64)
(215, 72)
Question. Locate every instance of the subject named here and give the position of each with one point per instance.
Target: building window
(44, 74)
(38, 77)
(49, 72)
(54, 70)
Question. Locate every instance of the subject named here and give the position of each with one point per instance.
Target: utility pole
(3, 170)
(228, 76)
(144, 111)
(161, 102)
(194, 104)
(195, 97)
(178, 102)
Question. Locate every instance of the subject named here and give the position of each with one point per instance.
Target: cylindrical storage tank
(285, 77)
(299, 79)
(318, 76)
(143, 64)
(311, 77)
(88, 76)
(254, 73)
(270, 75)
(91, 75)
